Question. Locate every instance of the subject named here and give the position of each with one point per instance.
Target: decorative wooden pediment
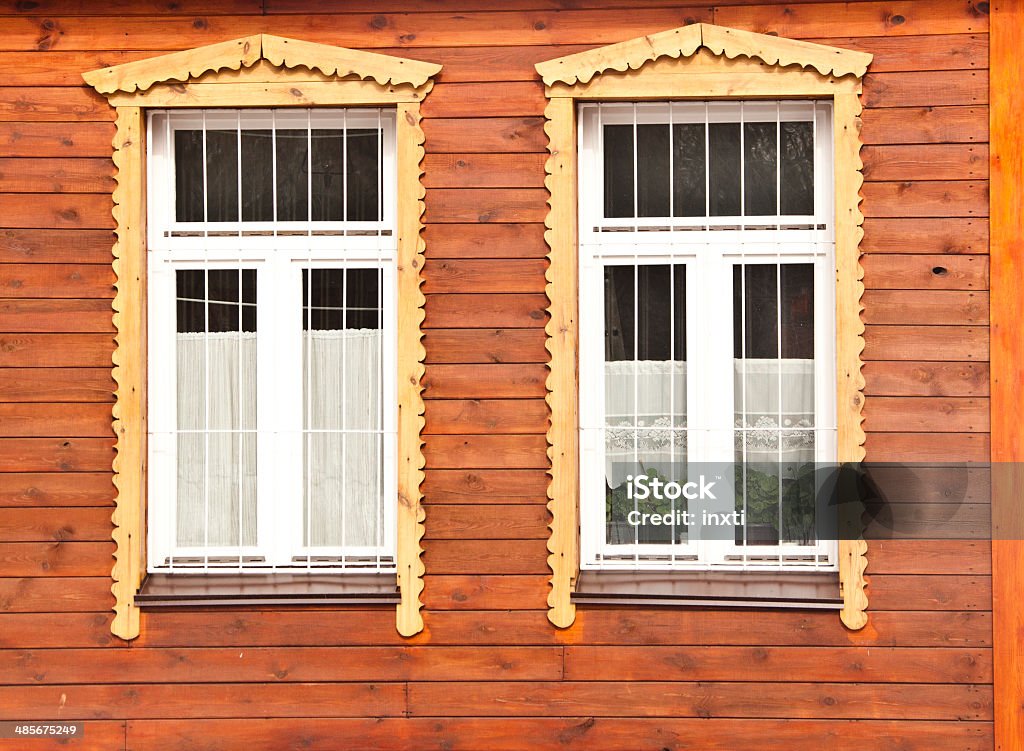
(686, 41)
(338, 62)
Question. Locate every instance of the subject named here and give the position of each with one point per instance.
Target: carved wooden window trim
(259, 71)
(700, 61)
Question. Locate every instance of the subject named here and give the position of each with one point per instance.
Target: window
(272, 393)
(281, 274)
(706, 273)
(704, 290)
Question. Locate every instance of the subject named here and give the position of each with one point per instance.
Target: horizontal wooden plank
(931, 521)
(897, 378)
(924, 557)
(32, 490)
(103, 735)
(485, 205)
(359, 30)
(40, 420)
(493, 592)
(937, 235)
(600, 734)
(51, 384)
(458, 346)
(126, 7)
(479, 452)
(517, 135)
(486, 311)
(31, 559)
(56, 210)
(46, 630)
(41, 139)
(51, 280)
(858, 19)
(279, 665)
(923, 307)
(925, 199)
(35, 103)
(55, 595)
(925, 52)
(908, 271)
(926, 88)
(486, 416)
(470, 100)
(831, 664)
(706, 700)
(930, 414)
(946, 593)
(960, 343)
(603, 625)
(486, 241)
(486, 522)
(940, 161)
(954, 484)
(485, 381)
(78, 350)
(56, 454)
(483, 486)
(57, 316)
(56, 246)
(928, 447)
(484, 170)
(486, 556)
(55, 524)
(56, 175)
(907, 125)
(478, 276)
(201, 700)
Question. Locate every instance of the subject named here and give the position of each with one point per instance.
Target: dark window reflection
(797, 168)
(758, 311)
(216, 300)
(640, 304)
(724, 146)
(341, 299)
(760, 156)
(689, 163)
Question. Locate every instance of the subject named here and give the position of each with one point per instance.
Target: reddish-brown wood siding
(489, 671)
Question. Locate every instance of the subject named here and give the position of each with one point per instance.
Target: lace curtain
(217, 445)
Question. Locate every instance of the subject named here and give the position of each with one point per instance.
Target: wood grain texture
(1007, 374)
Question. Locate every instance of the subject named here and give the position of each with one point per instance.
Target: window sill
(168, 590)
(811, 590)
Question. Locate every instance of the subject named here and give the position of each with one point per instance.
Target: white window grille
(271, 335)
(707, 331)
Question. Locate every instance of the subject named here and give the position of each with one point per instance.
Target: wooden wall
(489, 671)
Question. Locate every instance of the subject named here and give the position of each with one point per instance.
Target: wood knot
(378, 22)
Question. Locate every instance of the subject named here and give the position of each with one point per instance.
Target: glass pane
(257, 176)
(724, 148)
(292, 175)
(760, 153)
(363, 175)
(653, 180)
(618, 171)
(797, 168)
(689, 185)
(216, 407)
(342, 408)
(328, 181)
(188, 175)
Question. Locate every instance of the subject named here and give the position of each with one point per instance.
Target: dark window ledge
(170, 590)
(746, 589)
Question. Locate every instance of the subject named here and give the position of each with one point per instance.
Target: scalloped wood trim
(562, 338)
(411, 354)
(130, 301)
(692, 73)
(339, 62)
(129, 411)
(686, 40)
(846, 110)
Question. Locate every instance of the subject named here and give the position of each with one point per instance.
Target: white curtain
(645, 409)
(342, 455)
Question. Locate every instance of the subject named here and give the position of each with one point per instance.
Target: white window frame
(709, 247)
(279, 251)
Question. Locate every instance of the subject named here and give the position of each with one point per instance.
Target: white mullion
(307, 359)
(778, 382)
(206, 363)
(241, 331)
(381, 391)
